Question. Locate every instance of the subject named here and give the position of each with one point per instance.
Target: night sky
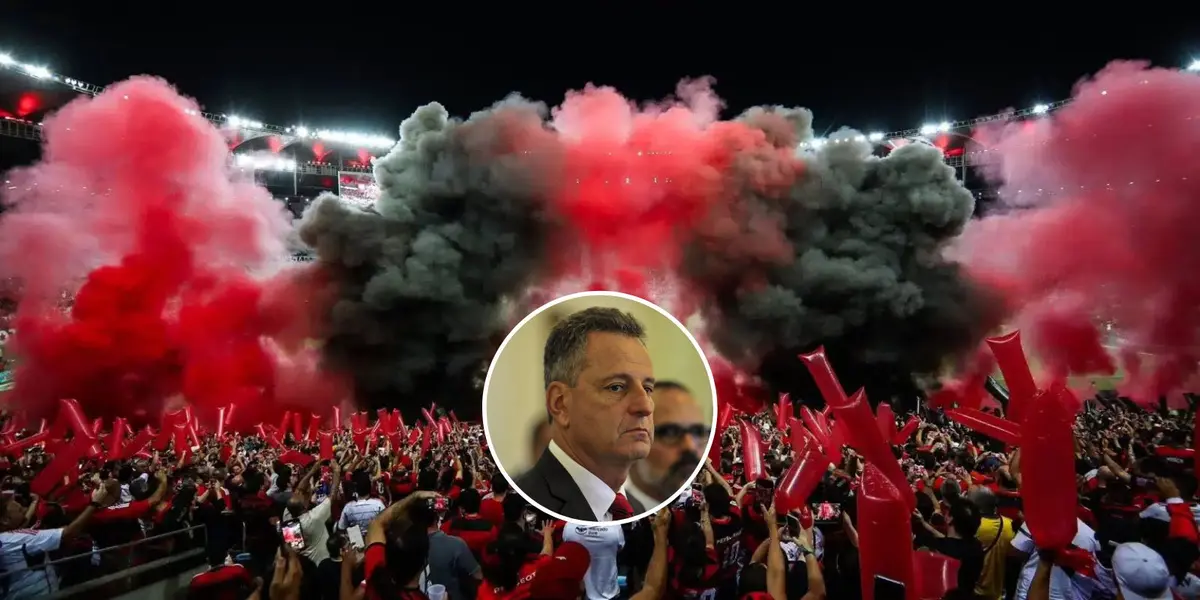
(365, 68)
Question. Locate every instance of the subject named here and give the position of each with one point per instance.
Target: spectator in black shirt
(959, 541)
(329, 572)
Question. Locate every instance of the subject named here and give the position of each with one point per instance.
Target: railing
(111, 571)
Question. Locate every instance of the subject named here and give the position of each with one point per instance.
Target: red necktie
(621, 508)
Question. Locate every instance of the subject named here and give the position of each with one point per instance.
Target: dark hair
(500, 484)
(717, 498)
(511, 550)
(668, 385)
(468, 501)
(964, 517)
(405, 558)
(514, 507)
(566, 348)
(283, 477)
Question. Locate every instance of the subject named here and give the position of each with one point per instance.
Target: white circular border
(712, 384)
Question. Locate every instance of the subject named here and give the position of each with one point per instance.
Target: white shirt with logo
(603, 543)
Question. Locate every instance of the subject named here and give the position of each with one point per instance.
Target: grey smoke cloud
(839, 248)
(860, 268)
(417, 285)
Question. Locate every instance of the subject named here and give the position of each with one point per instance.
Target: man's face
(609, 412)
(681, 433)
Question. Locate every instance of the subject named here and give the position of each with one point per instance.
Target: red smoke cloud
(637, 183)
(1108, 195)
(135, 207)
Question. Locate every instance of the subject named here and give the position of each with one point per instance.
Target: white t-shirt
(1062, 586)
(312, 525)
(22, 582)
(603, 543)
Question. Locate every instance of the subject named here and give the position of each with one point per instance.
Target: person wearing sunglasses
(680, 435)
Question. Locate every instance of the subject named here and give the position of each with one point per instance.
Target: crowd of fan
(391, 522)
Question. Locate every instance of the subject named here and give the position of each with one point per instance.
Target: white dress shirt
(597, 493)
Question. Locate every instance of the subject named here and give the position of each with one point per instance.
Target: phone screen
(888, 589)
(356, 537)
(826, 512)
(292, 535)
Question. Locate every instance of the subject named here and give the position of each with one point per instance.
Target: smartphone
(826, 513)
(888, 589)
(292, 535)
(793, 522)
(439, 504)
(354, 534)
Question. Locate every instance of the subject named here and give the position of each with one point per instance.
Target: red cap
(560, 578)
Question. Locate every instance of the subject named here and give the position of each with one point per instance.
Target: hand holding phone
(293, 536)
(354, 534)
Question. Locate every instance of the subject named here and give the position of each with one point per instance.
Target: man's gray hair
(565, 353)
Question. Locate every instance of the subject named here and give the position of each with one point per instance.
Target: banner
(358, 189)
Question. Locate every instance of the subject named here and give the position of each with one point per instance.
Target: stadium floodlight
(1041, 109)
(357, 139)
(300, 130)
(242, 123)
(875, 136)
(928, 129)
(265, 163)
(1195, 66)
(7, 59)
(37, 72)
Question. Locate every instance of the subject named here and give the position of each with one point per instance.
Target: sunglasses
(673, 434)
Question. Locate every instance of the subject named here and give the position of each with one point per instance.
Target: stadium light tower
(1195, 66)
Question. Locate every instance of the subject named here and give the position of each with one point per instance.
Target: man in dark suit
(599, 381)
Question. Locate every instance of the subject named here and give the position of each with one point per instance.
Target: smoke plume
(1103, 198)
(418, 285)
(134, 215)
(861, 269)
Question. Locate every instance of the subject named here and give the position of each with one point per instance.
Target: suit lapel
(563, 488)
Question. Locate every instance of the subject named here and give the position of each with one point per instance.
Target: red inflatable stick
(910, 427)
(884, 534)
(837, 439)
(222, 412)
(1196, 442)
(137, 444)
(83, 444)
(886, 419)
(297, 428)
(783, 412)
(338, 424)
(1048, 479)
(806, 472)
(401, 428)
(724, 415)
(314, 426)
(751, 450)
(987, 424)
(816, 423)
(115, 439)
(858, 422)
(935, 574)
(326, 444)
(1017, 377)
